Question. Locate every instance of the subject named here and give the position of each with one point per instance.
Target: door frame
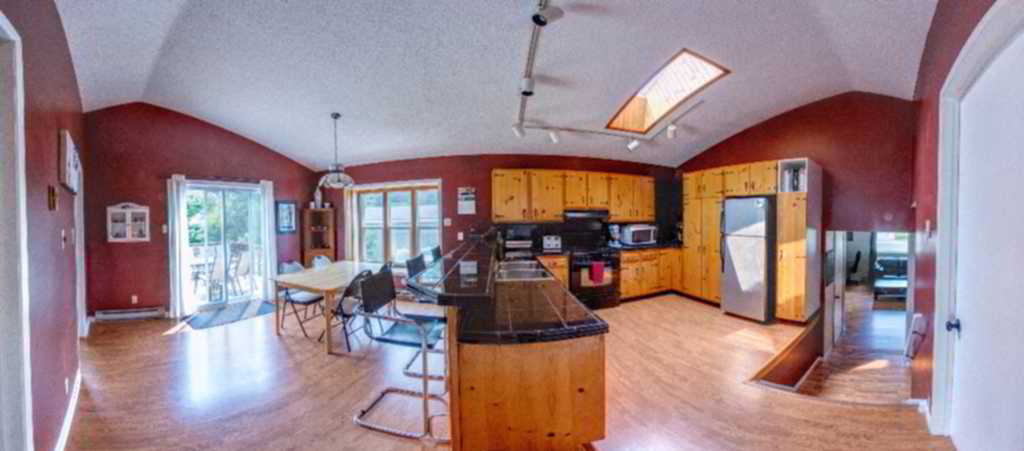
(1003, 22)
(16, 430)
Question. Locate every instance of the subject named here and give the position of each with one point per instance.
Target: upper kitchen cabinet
(632, 198)
(750, 179)
(576, 192)
(598, 190)
(764, 178)
(711, 184)
(691, 185)
(547, 195)
(509, 195)
(644, 198)
(736, 180)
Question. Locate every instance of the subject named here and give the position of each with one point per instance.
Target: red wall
(864, 144)
(953, 23)
(51, 103)
(133, 150)
(475, 171)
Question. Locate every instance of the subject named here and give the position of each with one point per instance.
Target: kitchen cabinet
(558, 265)
(693, 270)
(645, 272)
(509, 195)
(547, 195)
(598, 186)
(736, 180)
(764, 178)
(539, 195)
(701, 255)
(691, 186)
(791, 247)
(669, 262)
(576, 192)
(711, 184)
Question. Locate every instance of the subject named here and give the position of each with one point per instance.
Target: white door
(988, 372)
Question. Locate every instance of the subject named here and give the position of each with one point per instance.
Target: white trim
(1001, 24)
(426, 183)
(69, 415)
(15, 358)
(80, 282)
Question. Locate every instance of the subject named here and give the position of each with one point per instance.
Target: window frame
(414, 227)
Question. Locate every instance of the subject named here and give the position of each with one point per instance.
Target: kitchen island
(525, 358)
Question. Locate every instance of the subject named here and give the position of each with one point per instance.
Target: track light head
(554, 136)
(526, 86)
(633, 145)
(547, 15)
(518, 130)
(670, 132)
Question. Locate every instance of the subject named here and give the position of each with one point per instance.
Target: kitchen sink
(519, 275)
(521, 265)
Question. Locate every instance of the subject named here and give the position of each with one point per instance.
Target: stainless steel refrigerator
(748, 249)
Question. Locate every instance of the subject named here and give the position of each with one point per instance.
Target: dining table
(329, 281)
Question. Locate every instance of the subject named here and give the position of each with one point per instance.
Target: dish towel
(597, 272)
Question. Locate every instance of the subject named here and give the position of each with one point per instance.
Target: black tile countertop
(503, 312)
(637, 247)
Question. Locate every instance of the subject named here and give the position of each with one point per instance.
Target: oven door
(596, 291)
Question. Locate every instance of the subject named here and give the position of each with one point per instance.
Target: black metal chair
(378, 295)
(295, 298)
(346, 305)
(435, 253)
(414, 266)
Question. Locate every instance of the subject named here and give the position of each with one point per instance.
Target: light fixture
(518, 130)
(633, 145)
(670, 132)
(547, 14)
(526, 86)
(554, 136)
(336, 177)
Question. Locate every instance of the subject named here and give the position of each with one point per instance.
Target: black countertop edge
(640, 247)
(539, 336)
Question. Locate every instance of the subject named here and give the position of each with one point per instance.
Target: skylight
(685, 75)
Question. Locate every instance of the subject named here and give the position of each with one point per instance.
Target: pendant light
(336, 177)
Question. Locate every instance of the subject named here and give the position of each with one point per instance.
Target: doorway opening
(867, 309)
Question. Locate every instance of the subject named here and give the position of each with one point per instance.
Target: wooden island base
(545, 395)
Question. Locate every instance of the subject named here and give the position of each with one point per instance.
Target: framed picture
(287, 218)
(70, 165)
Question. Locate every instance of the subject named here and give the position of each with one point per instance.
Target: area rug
(229, 314)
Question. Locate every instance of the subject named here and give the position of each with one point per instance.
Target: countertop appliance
(551, 243)
(748, 266)
(635, 234)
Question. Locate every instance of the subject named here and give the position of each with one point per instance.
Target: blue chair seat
(404, 334)
(301, 297)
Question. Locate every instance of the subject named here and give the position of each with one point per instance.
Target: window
(892, 243)
(681, 78)
(396, 224)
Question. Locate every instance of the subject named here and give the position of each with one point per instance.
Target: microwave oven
(639, 234)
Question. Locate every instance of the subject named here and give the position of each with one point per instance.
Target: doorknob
(953, 324)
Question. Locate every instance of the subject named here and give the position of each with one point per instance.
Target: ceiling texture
(423, 78)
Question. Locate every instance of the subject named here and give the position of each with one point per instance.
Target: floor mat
(229, 314)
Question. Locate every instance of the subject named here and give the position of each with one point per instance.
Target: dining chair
(320, 261)
(295, 298)
(414, 266)
(378, 295)
(435, 254)
(345, 307)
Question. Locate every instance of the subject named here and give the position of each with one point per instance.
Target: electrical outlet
(447, 222)
(67, 387)
(460, 236)
(135, 299)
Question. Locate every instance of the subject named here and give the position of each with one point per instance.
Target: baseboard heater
(127, 314)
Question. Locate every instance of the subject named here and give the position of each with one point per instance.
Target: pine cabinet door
(644, 202)
(764, 178)
(547, 194)
(576, 190)
(692, 220)
(712, 276)
(736, 180)
(711, 225)
(509, 196)
(691, 186)
(693, 270)
(711, 184)
(791, 264)
(621, 190)
(598, 190)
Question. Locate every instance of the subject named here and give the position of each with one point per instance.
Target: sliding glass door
(226, 253)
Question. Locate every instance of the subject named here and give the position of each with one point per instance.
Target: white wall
(988, 389)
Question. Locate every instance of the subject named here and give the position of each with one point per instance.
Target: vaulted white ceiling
(426, 78)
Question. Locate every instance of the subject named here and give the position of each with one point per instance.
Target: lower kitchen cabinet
(558, 265)
(649, 271)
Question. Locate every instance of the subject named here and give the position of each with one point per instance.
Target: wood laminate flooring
(677, 380)
(867, 365)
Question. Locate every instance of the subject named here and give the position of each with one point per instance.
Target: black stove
(593, 265)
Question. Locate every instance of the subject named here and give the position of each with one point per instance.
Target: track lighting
(670, 132)
(633, 145)
(518, 130)
(547, 14)
(554, 136)
(526, 86)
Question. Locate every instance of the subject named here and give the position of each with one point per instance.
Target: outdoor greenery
(206, 221)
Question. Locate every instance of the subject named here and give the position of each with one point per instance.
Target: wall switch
(164, 228)
(460, 236)
(63, 239)
(135, 299)
(447, 222)
(67, 386)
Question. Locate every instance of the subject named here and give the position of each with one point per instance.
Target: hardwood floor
(677, 379)
(867, 365)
